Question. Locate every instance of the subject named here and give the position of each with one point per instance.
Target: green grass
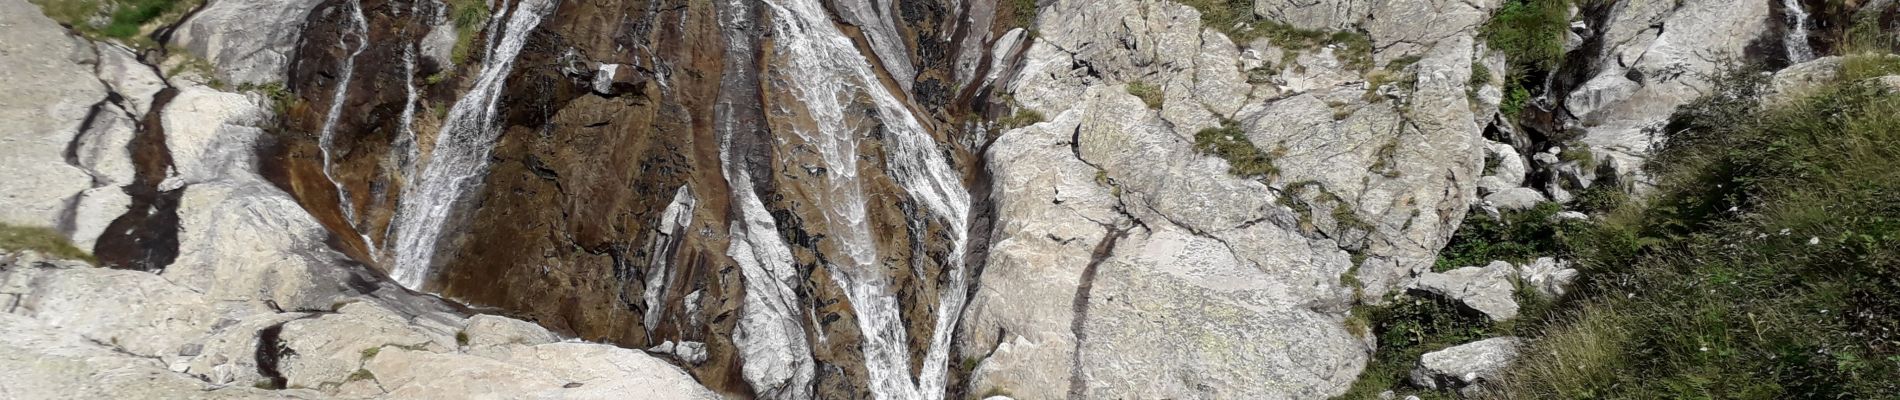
(361, 375)
(125, 20)
(1230, 143)
(43, 240)
(1530, 32)
(1148, 92)
(1407, 328)
(1579, 153)
(1236, 19)
(469, 16)
(1516, 96)
(1764, 266)
(1022, 118)
(1520, 235)
(1017, 13)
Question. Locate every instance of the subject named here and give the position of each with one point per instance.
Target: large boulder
(247, 41)
(40, 361)
(50, 90)
(75, 330)
(1108, 215)
(1657, 56)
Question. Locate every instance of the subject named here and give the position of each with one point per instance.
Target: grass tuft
(1148, 92)
(470, 16)
(1230, 143)
(43, 240)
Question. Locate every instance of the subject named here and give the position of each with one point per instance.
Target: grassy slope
(1765, 267)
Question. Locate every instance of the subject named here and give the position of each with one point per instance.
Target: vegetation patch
(1531, 34)
(1017, 13)
(43, 240)
(1406, 328)
(469, 16)
(126, 20)
(1518, 236)
(361, 375)
(1236, 19)
(1022, 117)
(1230, 143)
(1148, 92)
(1763, 267)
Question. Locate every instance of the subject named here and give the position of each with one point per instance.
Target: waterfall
(404, 150)
(823, 67)
(775, 357)
(326, 137)
(674, 220)
(1797, 39)
(460, 155)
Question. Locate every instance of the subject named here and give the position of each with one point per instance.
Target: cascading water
(404, 150)
(461, 150)
(326, 137)
(775, 358)
(1797, 39)
(822, 66)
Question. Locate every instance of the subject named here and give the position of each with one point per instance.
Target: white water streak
(460, 155)
(775, 358)
(674, 220)
(826, 72)
(1797, 39)
(326, 137)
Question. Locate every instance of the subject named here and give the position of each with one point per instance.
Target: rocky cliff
(893, 199)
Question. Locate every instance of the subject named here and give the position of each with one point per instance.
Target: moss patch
(43, 240)
(1230, 143)
(1147, 92)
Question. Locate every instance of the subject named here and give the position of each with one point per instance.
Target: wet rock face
(615, 110)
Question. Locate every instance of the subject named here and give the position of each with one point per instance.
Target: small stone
(1487, 289)
(1548, 276)
(1462, 365)
(1519, 198)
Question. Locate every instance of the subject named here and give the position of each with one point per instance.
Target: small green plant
(469, 17)
(1530, 32)
(1480, 75)
(1230, 143)
(361, 375)
(43, 240)
(1406, 328)
(1578, 153)
(461, 338)
(1147, 92)
(371, 352)
(1515, 98)
(436, 78)
(1520, 235)
(1022, 117)
(1018, 13)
